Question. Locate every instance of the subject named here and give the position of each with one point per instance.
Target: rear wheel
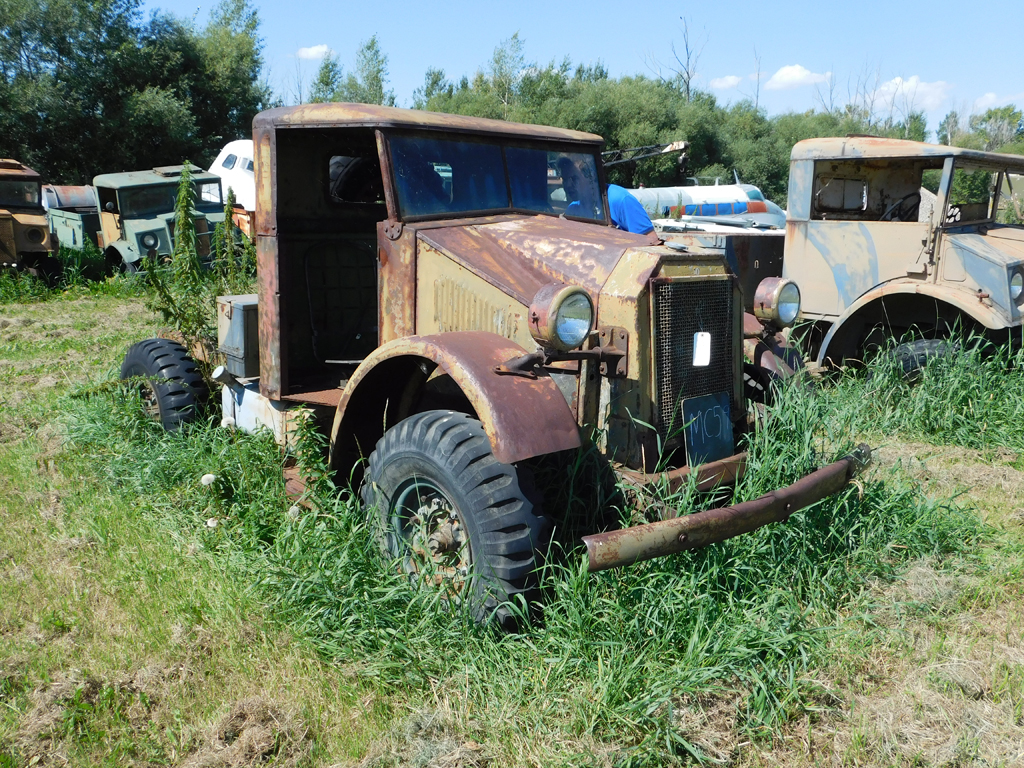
(453, 516)
(173, 390)
(912, 356)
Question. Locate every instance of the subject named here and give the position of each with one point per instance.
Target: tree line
(88, 86)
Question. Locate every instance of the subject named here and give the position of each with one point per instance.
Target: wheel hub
(435, 541)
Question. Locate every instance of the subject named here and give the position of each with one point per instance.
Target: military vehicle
(136, 214)
(25, 240)
(453, 309)
(890, 236)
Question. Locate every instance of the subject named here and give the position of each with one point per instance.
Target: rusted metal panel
(266, 182)
(12, 169)
(643, 542)
(707, 476)
(273, 357)
(326, 397)
(396, 284)
(70, 197)
(372, 116)
(452, 298)
(520, 254)
(523, 417)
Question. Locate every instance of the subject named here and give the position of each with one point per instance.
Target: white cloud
(989, 100)
(313, 52)
(722, 83)
(912, 93)
(795, 76)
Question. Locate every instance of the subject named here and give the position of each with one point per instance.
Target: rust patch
(523, 417)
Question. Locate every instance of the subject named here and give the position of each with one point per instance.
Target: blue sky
(931, 56)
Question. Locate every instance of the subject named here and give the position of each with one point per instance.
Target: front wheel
(452, 515)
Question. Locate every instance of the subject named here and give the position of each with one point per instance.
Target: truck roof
(13, 169)
(166, 174)
(337, 115)
(876, 147)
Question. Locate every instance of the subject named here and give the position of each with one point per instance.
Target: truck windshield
(19, 193)
(155, 200)
(437, 177)
(970, 195)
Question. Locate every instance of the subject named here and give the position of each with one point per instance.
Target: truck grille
(681, 309)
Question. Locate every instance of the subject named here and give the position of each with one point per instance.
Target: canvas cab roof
(874, 147)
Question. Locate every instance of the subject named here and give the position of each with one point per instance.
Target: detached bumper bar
(643, 542)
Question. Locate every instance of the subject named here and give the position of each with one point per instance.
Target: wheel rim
(431, 537)
(150, 403)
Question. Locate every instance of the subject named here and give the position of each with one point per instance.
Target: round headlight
(777, 301)
(789, 303)
(573, 320)
(561, 316)
(1016, 286)
(34, 235)
(149, 240)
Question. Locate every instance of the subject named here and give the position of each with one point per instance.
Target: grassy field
(146, 619)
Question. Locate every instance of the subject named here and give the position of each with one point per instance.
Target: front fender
(522, 417)
(965, 302)
(128, 254)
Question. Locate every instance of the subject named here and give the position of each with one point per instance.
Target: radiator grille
(681, 309)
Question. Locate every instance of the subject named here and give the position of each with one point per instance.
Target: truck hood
(1000, 245)
(520, 255)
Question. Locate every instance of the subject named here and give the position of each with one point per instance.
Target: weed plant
(615, 656)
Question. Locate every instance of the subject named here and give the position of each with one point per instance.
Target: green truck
(136, 214)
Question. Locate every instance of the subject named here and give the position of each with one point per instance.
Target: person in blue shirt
(581, 190)
(627, 212)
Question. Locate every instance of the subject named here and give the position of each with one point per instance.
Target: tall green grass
(614, 655)
(972, 397)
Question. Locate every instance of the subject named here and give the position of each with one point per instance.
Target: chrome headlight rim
(1017, 286)
(777, 300)
(549, 325)
(149, 240)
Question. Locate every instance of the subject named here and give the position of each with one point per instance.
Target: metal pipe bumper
(643, 542)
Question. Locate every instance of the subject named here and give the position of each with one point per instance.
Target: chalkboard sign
(708, 431)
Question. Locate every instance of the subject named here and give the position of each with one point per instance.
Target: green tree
(86, 87)
(328, 80)
(368, 85)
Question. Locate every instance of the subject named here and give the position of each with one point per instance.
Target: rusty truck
(452, 308)
(25, 239)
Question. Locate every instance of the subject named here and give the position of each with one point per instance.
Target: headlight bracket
(611, 356)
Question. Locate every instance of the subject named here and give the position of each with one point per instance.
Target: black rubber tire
(178, 388)
(912, 356)
(506, 530)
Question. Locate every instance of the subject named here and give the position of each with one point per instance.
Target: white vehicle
(235, 166)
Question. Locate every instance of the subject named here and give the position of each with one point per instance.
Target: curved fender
(128, 254)
(522, 417)
(967, 303)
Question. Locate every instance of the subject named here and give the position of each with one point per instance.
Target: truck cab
(25, 239)
(890, 236)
